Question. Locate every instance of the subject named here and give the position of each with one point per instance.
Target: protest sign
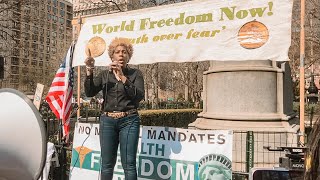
(163, 153)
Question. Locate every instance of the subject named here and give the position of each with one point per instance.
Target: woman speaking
(123, 89)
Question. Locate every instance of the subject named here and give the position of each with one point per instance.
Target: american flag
(60, 93)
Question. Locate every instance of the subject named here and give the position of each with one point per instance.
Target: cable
(61, 125)
(79, 153)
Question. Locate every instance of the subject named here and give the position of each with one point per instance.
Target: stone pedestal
(247, 95)
(250, 96)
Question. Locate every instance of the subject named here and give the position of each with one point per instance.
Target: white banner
(193, 31)
(163, 153)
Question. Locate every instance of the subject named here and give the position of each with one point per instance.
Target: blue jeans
(123, 131)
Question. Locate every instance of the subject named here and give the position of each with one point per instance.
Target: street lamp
(313, 92)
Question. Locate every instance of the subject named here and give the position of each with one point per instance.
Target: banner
(193, 31)
(163, 153)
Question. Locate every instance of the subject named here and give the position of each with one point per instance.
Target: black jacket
(120, 96)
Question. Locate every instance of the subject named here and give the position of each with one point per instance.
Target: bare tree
(312, 42)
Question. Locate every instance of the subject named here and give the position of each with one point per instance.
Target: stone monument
(250, 96)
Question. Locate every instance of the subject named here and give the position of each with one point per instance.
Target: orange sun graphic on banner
(253, 35)
(96, 45)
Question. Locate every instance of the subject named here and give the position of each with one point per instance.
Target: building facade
(83, 8)
(41, 34)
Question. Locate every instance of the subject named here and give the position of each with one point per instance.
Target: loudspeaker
(1, 67)
(23, 146)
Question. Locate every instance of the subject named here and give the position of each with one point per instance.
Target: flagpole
(302, 84)
(79, 73)
(78, 24)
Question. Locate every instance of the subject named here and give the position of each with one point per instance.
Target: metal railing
(260, 156)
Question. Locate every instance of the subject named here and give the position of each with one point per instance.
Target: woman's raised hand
(89, 60)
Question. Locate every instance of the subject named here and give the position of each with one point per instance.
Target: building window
(26, 53)
(54, 42)
(54, 50)
(26, 36)
(14, 79)
(61, 5)
(41, 23)
(26, 44)
(34, 54)
(17, 42)
(55, 18)
(42, 6)
(62, 13)
(27, 10)
(48, 49)
(35, 29)
(55, 11)
(54, 27)
(61, 20)
(48, 57)
(16, 34)
(69, 8)
(25, 70)
(48, 41)
(16, 24)
(15, 61)
(14, 69)
(3, 35)
(34, 62)
(69, 24)
(55, 3)
(69, 16)
(35, 37)
(15, 52)
(26, 18)
(25, 61)
(49, 8)
(34, 46)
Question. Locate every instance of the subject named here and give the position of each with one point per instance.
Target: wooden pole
(79, 93)
(78, 23)
(79, 72)
(302, 83)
